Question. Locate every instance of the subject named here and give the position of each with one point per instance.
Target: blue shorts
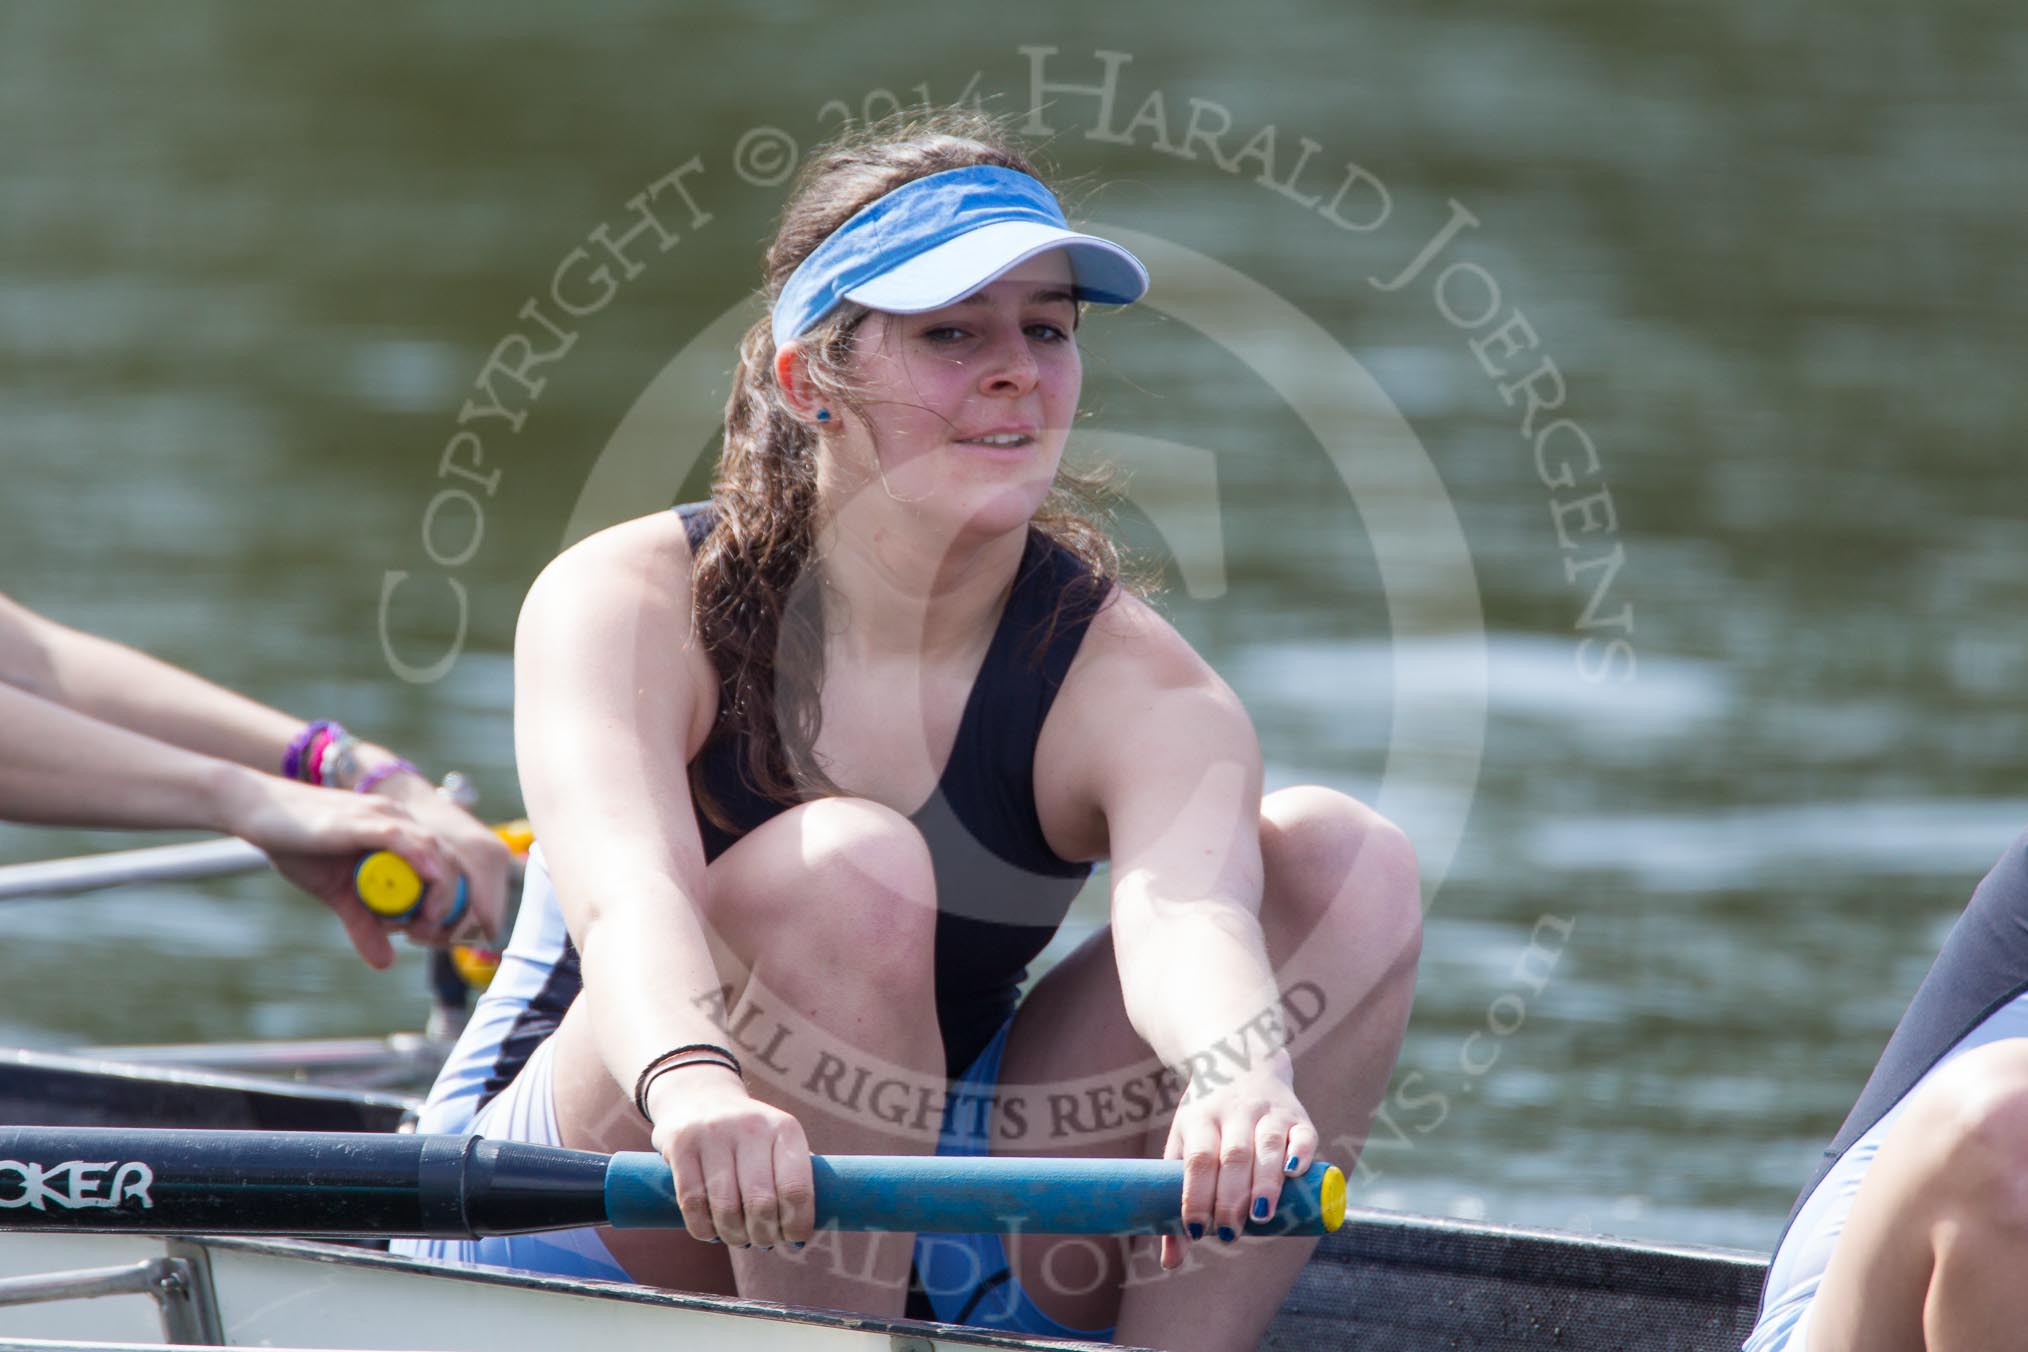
(966, 1277)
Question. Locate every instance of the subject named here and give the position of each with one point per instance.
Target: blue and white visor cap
(938, 239)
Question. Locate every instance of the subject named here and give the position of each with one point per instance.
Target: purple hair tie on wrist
(384, 770)
(292, 760)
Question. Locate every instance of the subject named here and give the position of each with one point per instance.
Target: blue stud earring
(823, 415)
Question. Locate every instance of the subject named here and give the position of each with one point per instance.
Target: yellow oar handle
(392, 890)
(476, 965)
(389, 886)
(1330, 1196)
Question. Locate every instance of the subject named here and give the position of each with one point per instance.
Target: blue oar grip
(987, 1195)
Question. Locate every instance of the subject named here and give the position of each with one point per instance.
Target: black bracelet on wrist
(700, 1054)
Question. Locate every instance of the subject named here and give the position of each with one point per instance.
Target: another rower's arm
(125, 689)
(63, 768)
(59, 767)
(129, 689)
(116, 684)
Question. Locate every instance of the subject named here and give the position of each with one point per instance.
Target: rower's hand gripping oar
(388, 885)
(335, 1183)
(377, 880)
(222, 857)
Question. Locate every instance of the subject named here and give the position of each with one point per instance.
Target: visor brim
(1101, 270)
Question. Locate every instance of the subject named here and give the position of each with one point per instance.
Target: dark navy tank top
(1001, 891)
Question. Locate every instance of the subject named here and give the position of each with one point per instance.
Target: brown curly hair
(763, 632)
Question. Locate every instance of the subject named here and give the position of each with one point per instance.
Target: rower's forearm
(1196, 981)
(62, 768)
(647, 963)
(126, 688)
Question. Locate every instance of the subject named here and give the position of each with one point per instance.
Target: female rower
(818, 767)
(1914, 1230)
(98, 734)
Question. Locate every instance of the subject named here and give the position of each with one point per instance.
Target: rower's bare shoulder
(647, 558)
(1135, 682)
(1131, 650)
(614, 611)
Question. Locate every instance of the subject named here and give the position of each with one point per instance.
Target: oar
(225, 857)
(336, 1183)
(379, 880)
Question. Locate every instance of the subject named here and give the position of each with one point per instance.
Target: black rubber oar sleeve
(315, 1183)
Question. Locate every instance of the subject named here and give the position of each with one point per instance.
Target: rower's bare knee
(1975, 1112)
(1337, 872)
(862, 898)
(828, 897)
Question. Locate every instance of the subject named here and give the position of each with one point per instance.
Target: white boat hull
(295, 1294)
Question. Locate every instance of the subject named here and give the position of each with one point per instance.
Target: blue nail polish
(798, 1244)
(1197, 1229)
(1260, 1206)
(1291, 1165)
(1226, 1234)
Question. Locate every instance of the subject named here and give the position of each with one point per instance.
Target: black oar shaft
(316, 1183)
